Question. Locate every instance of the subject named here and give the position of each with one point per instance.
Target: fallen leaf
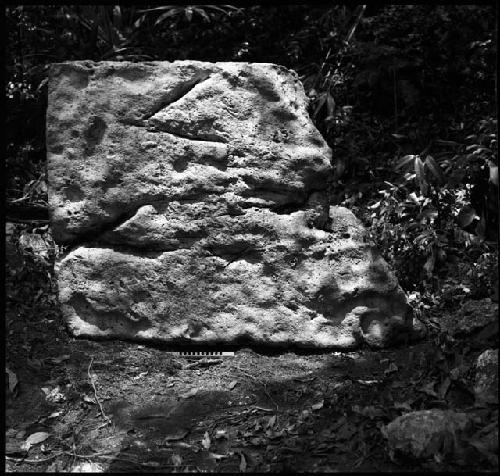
(233, 384)
(263, 409)
(292, 429)
(190, 393)
(92, 378)
(206, 442)
(176, 459)
(177, 435)
(428, 389)
(243, 463)
(216, 456)
(392, 368)
(318, 406)
(142, 374)
(221, 434)
(368, 382)
(54, 395)
(271, 422)
(438, 457)
(12, 379)
(34, 439)
(38, 437)
(402, 406)
(443, 388)
(181, 444)
(60, 359)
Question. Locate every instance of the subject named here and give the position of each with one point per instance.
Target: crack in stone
(94, 234)
(176, 94)
(155, 130)
(185, 136)
(167, 100)
(249, 252)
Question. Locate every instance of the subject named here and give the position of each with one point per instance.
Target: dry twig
(108, 420)
(55, 455)
(255, 379)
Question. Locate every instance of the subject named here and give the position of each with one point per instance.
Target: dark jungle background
(406, 97)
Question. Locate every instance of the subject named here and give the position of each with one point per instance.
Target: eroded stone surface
(425, 433)
(193, 197)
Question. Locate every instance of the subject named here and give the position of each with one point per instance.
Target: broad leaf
(434, 168)
(405, 161)
(419, 168)
(447, 142)
(320, 101)
(13, 381)
(466, 216)
(493, 173)
(163, 16)
(481, 228)
(330, 104)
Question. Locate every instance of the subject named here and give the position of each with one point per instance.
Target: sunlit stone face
(192, 198)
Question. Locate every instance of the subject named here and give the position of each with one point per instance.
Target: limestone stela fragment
(192, 197)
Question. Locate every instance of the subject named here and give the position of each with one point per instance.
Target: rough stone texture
(486, 377)
(424, 433)
(192, 196)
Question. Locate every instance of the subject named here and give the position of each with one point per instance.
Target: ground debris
(279, 412)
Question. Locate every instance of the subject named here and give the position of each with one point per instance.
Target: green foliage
(425, 221)
(410, 119)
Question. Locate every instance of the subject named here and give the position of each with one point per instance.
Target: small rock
(425, 433)
(486, 378)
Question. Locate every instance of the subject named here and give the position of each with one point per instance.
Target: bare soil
(113, 406)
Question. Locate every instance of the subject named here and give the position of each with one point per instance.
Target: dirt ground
(112, 406)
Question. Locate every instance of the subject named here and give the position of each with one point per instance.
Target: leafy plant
(177, 13)
(425, 220)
